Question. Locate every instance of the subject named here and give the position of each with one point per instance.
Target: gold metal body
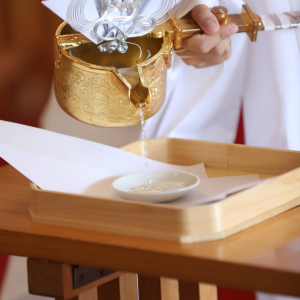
(90, 87)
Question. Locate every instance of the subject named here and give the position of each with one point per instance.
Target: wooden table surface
(265, 257)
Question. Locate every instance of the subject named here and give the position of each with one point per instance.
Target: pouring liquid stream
(145, 147)
(152, 187)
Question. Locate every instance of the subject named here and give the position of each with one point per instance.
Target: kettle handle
(180, 29)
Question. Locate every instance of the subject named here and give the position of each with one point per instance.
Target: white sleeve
(188, 5)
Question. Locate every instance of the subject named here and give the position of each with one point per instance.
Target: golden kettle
(91, 87)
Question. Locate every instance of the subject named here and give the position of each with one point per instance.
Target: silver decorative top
(120, 19)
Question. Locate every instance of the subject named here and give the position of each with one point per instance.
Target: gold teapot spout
(140, 96)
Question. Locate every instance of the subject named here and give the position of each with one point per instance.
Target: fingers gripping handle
(247, 22)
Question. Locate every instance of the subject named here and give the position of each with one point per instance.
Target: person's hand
(211, 48)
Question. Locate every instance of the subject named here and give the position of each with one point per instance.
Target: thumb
(205, 19)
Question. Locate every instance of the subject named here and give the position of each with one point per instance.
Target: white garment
(272, 94)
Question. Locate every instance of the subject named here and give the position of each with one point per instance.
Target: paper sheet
(62, 163)
(60, 7)
(214, 189)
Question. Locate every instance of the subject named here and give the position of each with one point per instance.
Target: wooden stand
(262, 258)
(52, 279)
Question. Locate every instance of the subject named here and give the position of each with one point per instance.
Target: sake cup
(185, 181)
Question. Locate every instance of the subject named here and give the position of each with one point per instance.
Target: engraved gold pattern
(99, 95)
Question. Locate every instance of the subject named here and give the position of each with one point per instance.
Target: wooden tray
(201, 223)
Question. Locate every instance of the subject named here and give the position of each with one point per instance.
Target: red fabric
(3, 258)
(229, 294)
(3, 264)
(2, 162)
(240, 136)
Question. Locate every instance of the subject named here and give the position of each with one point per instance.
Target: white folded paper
(158, 9)
(61, 163)
(60, 8)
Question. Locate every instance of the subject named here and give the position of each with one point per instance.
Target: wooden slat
(122, 288)
(149, 287)
(157, 149)
(45, 278)
(220, 156)
(169, 289)
(262, 160)
(188, 290)
(189, 152)
(214, 172)
(183, 152)
(109, 290)
(89, 295)
(128, 287)
(197, 291)
(155, 288)
(208, 291)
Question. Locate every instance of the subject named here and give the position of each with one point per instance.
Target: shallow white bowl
(123, 185)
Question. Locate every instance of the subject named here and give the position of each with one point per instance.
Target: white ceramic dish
(124, 184)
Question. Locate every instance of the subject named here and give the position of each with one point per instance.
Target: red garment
(240, 136)
(2, 162)
(229, 294)
(3, 258)
(3, 264)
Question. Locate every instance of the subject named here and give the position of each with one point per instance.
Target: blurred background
(26, 59)
(26, 69)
